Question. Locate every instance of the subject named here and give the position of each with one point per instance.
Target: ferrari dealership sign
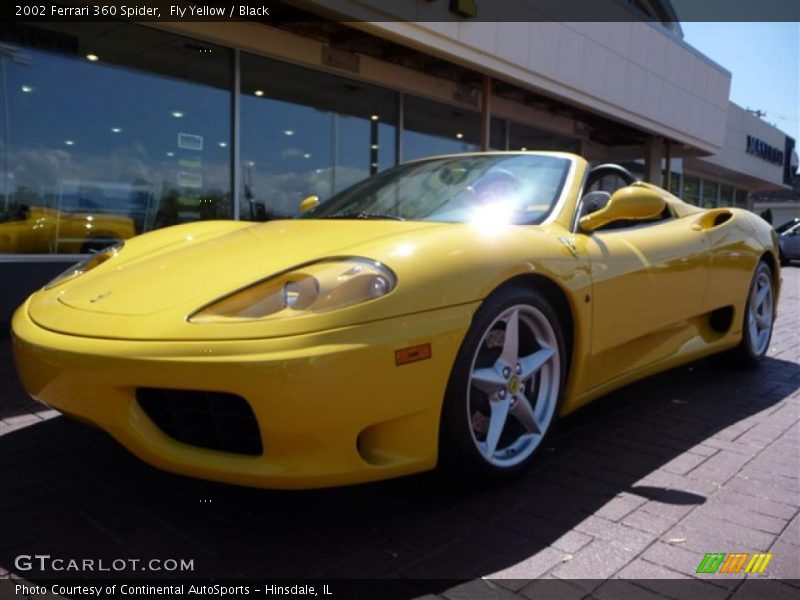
(761, 149)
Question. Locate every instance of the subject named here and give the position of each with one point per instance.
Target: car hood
(149, 289)
(216, 267)
(159, 280)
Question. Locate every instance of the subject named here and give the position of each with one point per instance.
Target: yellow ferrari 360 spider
(445, 311)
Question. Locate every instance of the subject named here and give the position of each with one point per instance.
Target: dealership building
(112, 128)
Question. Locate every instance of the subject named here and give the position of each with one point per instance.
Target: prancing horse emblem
(99, 297)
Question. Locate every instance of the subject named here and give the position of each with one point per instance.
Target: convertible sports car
(442, 312)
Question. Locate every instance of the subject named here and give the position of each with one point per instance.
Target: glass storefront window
(101, 143)
(675, 184)
(726, 195)
(710, 191)
(305, 132)
(525, 137)
(432, 128)
(499, 134)
(741, 198)
(691, 190)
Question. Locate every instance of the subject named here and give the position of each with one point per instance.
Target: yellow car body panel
(45, 230)
(333, 404)
(311, 417)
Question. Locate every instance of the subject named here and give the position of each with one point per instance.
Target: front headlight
(88, 264)
(309, 289)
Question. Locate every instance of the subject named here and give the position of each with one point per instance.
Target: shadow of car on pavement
(71, 491)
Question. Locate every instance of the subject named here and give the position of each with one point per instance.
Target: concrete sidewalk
(640, 485)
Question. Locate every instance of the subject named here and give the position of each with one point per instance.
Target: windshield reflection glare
(507, 188)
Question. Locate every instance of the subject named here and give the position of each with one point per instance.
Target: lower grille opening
(214, 420)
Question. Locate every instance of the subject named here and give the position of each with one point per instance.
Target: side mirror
(309, 203)
(632, 203)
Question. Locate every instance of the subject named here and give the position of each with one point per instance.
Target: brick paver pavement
(639, 485)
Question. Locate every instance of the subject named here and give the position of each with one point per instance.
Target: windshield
(514, 188)
(786, 226)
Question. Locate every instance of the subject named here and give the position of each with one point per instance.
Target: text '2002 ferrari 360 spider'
(444, 312)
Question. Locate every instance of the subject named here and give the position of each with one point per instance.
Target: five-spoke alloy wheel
(504, 391)
(759, 317)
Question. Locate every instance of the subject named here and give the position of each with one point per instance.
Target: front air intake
(214, 420)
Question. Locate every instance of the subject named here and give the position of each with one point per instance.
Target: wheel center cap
(514, 385)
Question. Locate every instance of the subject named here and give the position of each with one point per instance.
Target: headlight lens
(88, 264)
(315, 288)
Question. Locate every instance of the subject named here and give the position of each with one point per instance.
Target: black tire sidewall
(458, 455)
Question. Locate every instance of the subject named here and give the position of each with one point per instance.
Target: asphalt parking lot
(638, 486)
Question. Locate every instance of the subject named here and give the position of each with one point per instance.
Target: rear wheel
(505, 388)
(759, 318)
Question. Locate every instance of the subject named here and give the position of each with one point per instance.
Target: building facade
(109, 129)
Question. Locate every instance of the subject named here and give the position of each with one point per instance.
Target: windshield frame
(555, 208)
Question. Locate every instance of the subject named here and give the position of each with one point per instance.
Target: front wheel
(504, 391)
(759, 318)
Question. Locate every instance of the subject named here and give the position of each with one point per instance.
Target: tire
(758, 320)
(497, 415)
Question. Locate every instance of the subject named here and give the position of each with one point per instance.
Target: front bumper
(332, 407)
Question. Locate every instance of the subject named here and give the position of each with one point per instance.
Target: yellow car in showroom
(37, 229)
(443, 312)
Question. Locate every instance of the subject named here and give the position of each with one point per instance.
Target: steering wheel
(600, 171)
(495, 185)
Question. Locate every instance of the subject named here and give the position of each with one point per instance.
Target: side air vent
(721, 218)
(713, 218)
(721, 319)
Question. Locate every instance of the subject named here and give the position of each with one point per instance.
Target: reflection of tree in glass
(25, 195)
(280, 194)
(214, 205)
(177, 207)
(167, 213)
